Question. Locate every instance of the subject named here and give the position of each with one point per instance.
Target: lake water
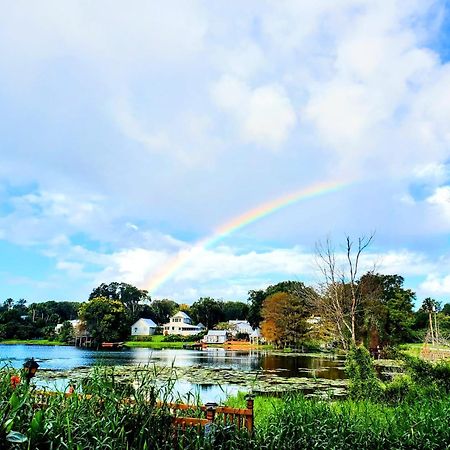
(282, 365)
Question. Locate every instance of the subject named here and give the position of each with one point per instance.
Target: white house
(181, 324)
(143, 327)
(216, 337)
(240, 326)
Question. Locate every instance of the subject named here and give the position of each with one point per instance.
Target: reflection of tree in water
(303, 366)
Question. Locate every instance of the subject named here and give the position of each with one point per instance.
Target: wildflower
(15, 380)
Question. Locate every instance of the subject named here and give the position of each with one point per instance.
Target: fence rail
(209, 413)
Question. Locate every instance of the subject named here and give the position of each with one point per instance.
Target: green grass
(105, 421)
(416, 348)
(156, 342)
(31, 342)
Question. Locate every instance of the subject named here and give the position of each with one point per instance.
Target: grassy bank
(416, 348)
(156, 342)
(31, 342)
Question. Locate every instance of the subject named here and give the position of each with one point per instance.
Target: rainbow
(235, 224)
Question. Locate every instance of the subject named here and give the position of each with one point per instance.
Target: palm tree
(431, 306)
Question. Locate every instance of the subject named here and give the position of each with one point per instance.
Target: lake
(263, 363)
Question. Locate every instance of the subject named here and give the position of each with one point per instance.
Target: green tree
(105, 319)
(161, 310)
(431, 307)
(132, 297)
(207, 311)
(386, 309)
(66, 333)
(235, 311)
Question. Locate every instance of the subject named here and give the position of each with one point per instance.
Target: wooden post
(250, 419)
(210, 411)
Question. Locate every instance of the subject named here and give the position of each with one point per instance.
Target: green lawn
(416, 349)
(31, 342)
(156, 342)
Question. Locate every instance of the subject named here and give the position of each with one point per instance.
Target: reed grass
(106, 421)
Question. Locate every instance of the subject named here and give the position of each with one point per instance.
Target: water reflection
(66, 358)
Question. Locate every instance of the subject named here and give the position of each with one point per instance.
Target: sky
(138, 140)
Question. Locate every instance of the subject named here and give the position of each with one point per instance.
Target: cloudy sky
(130, 132)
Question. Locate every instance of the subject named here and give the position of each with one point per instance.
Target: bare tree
(339, 294)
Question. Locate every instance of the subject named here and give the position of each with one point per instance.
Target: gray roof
(148, 322)
(217, 332)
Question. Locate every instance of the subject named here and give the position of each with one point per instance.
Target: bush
(428, 374)
(364, 383)
(179, 338)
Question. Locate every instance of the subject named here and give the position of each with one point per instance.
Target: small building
(255, 337)
(143, 327)
(240, 327)
(216, 337)
(181, 324)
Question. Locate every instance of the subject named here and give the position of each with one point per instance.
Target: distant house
(216, 337)
(143, 327)
(240, 327)
(181, 324)
(75, 324)
(255, 337)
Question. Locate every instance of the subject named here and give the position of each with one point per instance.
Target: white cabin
(143, 327)
(216, 337)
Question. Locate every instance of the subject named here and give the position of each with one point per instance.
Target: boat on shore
(112, 345)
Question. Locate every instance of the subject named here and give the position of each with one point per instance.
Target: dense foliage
(289, 313)
(106, 421)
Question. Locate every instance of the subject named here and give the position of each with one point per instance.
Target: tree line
(343, 309)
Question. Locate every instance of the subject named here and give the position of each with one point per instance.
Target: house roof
(217, 332)
(148, 322)
(181, 314)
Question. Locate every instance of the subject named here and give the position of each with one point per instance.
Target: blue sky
(128, 132)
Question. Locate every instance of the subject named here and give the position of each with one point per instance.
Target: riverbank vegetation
(409, 412)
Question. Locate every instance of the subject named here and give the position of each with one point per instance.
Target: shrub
(364, 383)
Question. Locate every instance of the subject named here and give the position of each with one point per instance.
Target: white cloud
(440, 199)
(264, 115)
(435, 285)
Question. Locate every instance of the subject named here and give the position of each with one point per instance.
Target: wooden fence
(208, 414)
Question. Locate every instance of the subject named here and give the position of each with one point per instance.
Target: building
(76, 324)
(143, 327)
(255, 337)
(216, 337)
(180, 323)
(240, 327)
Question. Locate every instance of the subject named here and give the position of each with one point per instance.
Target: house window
(135, 329)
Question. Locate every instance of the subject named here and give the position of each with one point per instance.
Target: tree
(431, 307)
(340, 297)
(161, 310)
(208, 311)
(66, 333)
(129, 295)
(105, 319)
(256, 299)
(235, 311)
(446, 309)
(285, 316)
(386, 309)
